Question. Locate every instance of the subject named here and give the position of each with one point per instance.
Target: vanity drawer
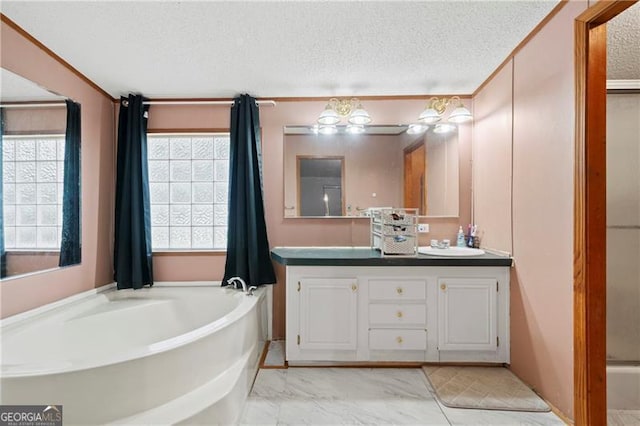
(397, 290)
(394, 314)
(397, 339)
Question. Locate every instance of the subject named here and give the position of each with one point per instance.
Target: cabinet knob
(354, 287)
(399, 290)
(399, 314)
(443, 286)
(399, 340)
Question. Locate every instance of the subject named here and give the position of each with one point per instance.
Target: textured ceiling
(281, 48)
(623, 45)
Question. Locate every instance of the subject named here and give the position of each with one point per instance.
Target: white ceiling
(623, 45)
(281, 48)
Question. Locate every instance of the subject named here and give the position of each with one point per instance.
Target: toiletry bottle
(460, 242)
(471, 235)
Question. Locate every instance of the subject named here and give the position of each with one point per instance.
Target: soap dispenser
(461, 241)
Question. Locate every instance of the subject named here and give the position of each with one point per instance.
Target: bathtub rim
(621, 394)
(244, 307)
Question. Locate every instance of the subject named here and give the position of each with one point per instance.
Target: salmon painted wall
(22, 57)
(492, 150)
(543, 167)
(20, 121)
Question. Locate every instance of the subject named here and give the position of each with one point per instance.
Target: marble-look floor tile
(260, 411)
(369, 412)
(314, 383)
(269, 383)
(340, 383)
(363, 396)
(623, 417)
(318, 412)
(400, 412)
(275, 354)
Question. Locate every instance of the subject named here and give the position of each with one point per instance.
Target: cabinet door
(328, 313)
(467, 314)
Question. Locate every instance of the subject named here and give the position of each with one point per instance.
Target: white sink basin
(451, 251)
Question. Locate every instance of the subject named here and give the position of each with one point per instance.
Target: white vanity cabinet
(397, 319)
(328, 314)
(351, 314)
(467, 314)
(322, 316)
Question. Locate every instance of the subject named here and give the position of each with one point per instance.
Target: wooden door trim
(589, 271)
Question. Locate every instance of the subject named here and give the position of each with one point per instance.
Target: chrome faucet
(248, 291)
(232, 281)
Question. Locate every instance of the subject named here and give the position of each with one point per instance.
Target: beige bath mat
(484, 388)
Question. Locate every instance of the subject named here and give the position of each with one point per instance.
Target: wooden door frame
(422, 143)
(590, 213)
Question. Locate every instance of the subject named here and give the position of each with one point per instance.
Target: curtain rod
(203, 102)
(34, 105)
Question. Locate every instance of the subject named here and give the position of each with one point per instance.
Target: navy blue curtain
(247, 243)
(133, 263)
(70, 244)
(3, 253)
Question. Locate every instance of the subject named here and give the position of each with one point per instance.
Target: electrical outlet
(423, 228)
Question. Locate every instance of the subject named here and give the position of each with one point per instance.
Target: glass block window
(189, 185)
(33, 172)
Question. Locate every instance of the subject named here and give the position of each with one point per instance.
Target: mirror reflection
(346, 174)
(320, 192)
(40, 178)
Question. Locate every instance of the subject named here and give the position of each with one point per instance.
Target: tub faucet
(232, 281)
(248, 291)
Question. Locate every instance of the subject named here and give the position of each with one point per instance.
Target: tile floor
(363, 396)
(623, 417)
(275, 354)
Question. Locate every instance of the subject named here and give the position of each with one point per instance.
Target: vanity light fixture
(444, 128)
(328, 129)
(417, 128)
(355, 129)
(338, 108)
(437, 106)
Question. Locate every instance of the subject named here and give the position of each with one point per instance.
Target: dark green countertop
(364, 256)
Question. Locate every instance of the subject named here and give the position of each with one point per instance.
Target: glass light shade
(415, 129)
(328, 129)
(329, 116)
(359, 116)
(444, 128)
(429, 116)
(315, 129)
(355, 129)
(460, 115)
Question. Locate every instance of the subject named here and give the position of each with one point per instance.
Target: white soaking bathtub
(170, 354)
(623, 387)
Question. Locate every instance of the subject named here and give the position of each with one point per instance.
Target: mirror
(40, 175)
(346, 174)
